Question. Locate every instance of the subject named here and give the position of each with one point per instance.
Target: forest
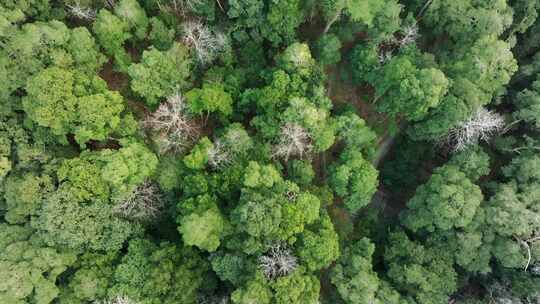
(269, 152)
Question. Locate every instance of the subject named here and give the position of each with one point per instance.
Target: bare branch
(206, 43)
(409, 35)
(81, 12)
(118, 300)
(177, 131)
(277, 262)
(144, 203)
(219, 155)
(481, 126)
(294, 140)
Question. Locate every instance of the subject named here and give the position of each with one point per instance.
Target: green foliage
(40, 45)
(455, 18)
(448, 200)
(354, 179)
(328, 49)
(68, 102)
(210, 98)
(160, 74)
(24, 194)
(132, 13)
(319, 246)
(202, 224)
(528, 103)
(29, 270)
(282, 20)
(198, 157)
(163, 273)
(353, 275)
(111, 33)
(403, 88)
(426, 274)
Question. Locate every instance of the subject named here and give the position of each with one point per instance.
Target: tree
(328, 49)
(455, 19)
(282, 19)
(424, 273)
(29, 269)
(528, 103)
(448, 200)
(405, 89)
(176, 129)
(206, 44)
(201, 222)
(69, 102)
(24, 194)
(293, 141)
(161, 273)
(278, 261)
(160, 74)
(131, 12)
(365, 12)
(111, 33)
(354, 179)
(318, 246)
(353, 275)
(208, 99)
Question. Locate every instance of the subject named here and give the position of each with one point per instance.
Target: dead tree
(144, 203)
(277, 262)
(294, 141)
(409, 35)
(481, 126)
(206, 43)
(219, 155)
(176, 130)
(118, 300)
(81, 12)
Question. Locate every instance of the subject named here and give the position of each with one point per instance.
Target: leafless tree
(145, 202)
(294, 141)
(179, 6)
(81, 12)
(118, 300)
(109, 3)
(219, 155)
(409, 35)
(385, 56)
(481, 126)
(176, 129)
(206, 43)
(277, 262)
(213, 299)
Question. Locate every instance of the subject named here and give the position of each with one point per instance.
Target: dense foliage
(269, 151)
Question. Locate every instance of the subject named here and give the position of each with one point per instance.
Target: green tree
(29, 269)
(208, 99)
(163, 273)
(403, 88)
(69, 102)
(160, 74)
(448, 200)
(354, 179)
(131, 12)
(318, 246)
(424, 273)
(111, 33)
(353, 274)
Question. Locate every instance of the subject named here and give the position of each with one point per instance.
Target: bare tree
(206, 43)
(385, 56)
(143, 203)
(81, 12)
(481, 126)
(110, 3)
(118, 300)
(176, 129)
(294, 140)
(277, 262)
(409, 35)
(219, 155)
(179, 6)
